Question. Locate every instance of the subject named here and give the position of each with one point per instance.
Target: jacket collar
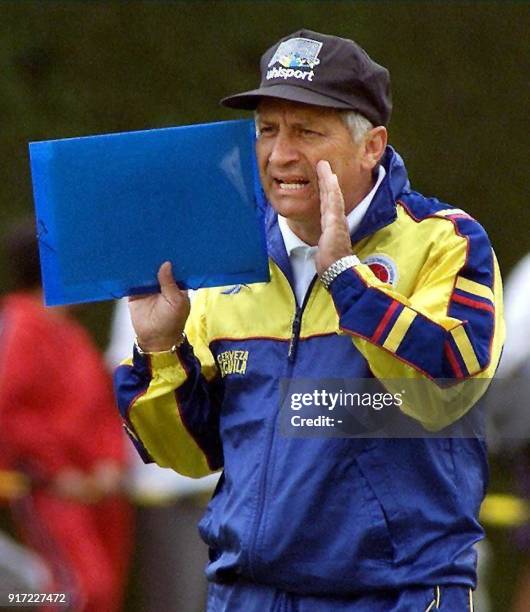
(382, 210)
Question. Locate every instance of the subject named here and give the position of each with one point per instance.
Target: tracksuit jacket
(336, 516)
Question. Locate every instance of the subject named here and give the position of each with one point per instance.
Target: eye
(266, 130)
(308, 132)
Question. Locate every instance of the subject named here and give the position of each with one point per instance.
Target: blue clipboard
(111, 208)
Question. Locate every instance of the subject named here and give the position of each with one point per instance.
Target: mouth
(290, 184)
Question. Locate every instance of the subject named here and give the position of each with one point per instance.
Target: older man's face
(292, 139)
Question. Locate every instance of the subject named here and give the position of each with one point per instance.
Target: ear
(374, 147)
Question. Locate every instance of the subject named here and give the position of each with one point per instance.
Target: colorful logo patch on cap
(297, 58)
(383, 267)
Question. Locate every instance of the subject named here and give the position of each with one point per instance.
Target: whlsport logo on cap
(297, 58)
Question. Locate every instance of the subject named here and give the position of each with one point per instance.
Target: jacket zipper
(295, 335)
(297, 323)
(291, 357)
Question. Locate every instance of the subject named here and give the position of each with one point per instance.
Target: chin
(289, 212)
(294, 209)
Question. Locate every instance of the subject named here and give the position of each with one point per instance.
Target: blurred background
(460, 74)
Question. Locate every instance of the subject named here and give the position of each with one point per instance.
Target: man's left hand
(335, 240)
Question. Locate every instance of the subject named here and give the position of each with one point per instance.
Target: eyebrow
(296, 123)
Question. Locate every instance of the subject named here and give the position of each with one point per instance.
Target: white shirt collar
(290, 239)
(354, 218)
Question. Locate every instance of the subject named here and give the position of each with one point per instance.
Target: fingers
(323, 170)
(331, 198)
(330, 190)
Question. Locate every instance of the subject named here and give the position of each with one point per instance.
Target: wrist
(159, 346)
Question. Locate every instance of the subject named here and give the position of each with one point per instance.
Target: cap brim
(249, 100)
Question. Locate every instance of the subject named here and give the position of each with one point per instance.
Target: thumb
(168, 286)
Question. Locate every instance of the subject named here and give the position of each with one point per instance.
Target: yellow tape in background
(13, 484)
(503, 510)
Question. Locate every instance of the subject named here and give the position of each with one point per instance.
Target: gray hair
(357, 124)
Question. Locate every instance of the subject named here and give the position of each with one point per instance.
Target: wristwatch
(337, 267)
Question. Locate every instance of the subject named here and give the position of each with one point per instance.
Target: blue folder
(110, 209)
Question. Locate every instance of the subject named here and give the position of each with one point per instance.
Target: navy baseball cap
(323, 70)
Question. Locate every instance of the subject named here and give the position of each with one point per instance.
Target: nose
(283, 150)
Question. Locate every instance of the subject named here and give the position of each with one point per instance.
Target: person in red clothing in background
(58, 428)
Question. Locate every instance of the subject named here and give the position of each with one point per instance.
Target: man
(406, 288)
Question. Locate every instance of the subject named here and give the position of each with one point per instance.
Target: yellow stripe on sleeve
(401, 326)
(475, 288)
(466, 349)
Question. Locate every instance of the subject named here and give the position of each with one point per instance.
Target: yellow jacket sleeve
(442, 343)
(170, 402)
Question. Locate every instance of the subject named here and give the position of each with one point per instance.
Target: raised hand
(158, 319)
(334, 241)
